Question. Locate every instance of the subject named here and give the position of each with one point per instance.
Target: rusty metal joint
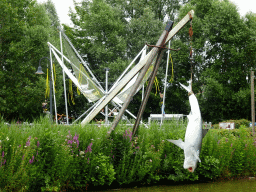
(162, 47)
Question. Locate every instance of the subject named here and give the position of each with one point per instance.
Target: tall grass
(49, 157)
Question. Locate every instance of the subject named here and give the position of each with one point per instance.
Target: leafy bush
(48, 157)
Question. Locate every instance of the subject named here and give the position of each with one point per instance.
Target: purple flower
(22, 157)
(231, 144)
(113, 156)
(28, 141)
(4, 161)
(75, 137)
(218, 142)
(31, 160)
(3, 154)
(19, 146)
(37, 143)
(165, 156)
(37, 153)
(70, 142)
(88, 161)
(89, 148)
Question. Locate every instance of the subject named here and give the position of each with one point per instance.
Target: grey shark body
(193, 136)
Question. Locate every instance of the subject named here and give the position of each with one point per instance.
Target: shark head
(191, 159)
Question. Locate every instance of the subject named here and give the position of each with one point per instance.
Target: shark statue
(194, 133)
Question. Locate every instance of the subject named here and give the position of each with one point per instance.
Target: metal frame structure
(141, 68)
(56, 52)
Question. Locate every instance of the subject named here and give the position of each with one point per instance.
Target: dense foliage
(110, 33)
(223, 51)
(46, 157)
(25, 28)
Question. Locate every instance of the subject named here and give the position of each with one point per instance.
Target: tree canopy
(24, 31)
(110, 33)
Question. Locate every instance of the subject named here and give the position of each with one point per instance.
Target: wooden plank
(180, 25)
(149, 58)
(118, 88)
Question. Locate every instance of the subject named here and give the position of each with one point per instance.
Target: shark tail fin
(189, 87)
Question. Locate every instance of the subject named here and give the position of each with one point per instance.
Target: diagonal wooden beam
(146, 61)
(161, 43)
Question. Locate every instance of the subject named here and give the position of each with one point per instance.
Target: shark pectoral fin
(179, 143)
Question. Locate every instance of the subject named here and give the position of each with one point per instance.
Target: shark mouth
(190, 169)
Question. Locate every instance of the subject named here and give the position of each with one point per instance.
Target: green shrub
(47, 157)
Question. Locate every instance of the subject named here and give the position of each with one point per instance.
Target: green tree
(160, 8)
(103, 33)
(24, 32)
(223, 54)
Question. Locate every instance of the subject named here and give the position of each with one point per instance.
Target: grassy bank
(46, 157)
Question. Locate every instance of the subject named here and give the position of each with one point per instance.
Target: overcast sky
(62, 7)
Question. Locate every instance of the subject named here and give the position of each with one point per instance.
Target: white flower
(0, 141)
(7, 138)
(81, 152)
(150, 160)
(92, 139)
(97, 167)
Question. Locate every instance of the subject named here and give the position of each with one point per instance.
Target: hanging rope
(172, 77)
(157, 85)
(79, 78)
(47, 91)
(71, 93)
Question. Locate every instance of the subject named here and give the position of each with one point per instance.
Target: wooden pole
(149, 87)
(147, 93)
(160, 42)
(148, 59)
(252, 101)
